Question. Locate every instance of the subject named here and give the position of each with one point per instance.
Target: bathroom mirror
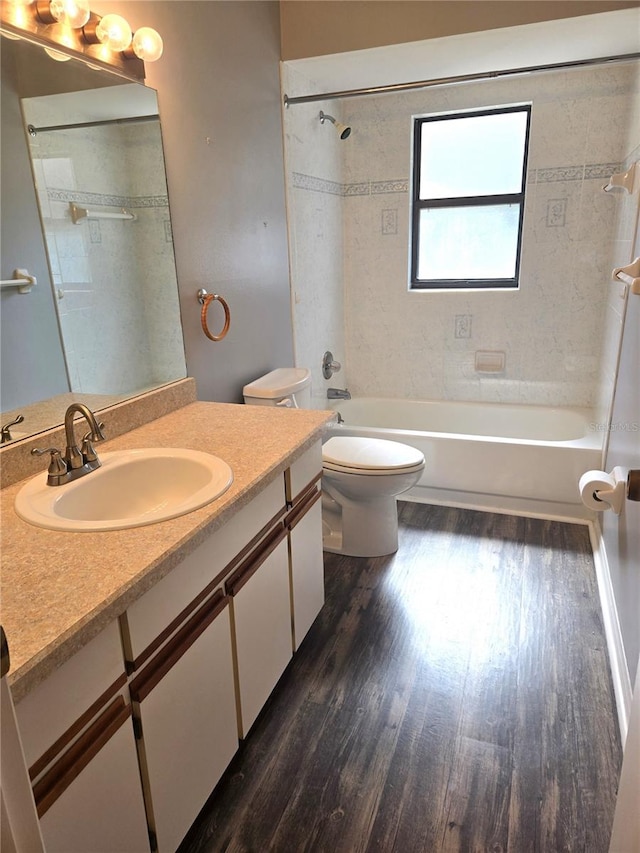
(85, 210)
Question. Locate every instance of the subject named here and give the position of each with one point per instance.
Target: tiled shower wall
(315, 208)
(626, 246)
(423, 344)
(116, 316)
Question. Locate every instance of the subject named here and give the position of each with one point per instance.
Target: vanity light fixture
(71, 26)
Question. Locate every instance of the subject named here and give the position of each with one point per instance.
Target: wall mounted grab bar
(623, 180)
(79, 213)
(22, 280)
(629, 275)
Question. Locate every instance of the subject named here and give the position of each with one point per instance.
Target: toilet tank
(289, 387)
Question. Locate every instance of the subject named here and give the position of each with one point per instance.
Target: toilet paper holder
(626, 485)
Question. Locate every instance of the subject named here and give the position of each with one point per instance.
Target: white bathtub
(487, 455)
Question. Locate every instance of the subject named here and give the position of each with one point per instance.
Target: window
(469, 173)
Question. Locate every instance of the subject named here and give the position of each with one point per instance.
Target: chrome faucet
(77, 461)
(5, 432)
(338, 394)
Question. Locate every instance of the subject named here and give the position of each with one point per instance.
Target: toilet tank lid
(279, 383)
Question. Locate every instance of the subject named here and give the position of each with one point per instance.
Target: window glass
(468, 242)
(468, 198)
(480, 155)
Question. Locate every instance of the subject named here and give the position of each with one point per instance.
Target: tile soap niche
(490, 361)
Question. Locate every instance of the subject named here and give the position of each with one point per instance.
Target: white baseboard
(553, 510)
(617, 659)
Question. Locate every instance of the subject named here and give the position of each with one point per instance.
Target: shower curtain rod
(460, 78)
(132, 120)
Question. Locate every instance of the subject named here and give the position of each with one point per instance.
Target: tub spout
(338, 394)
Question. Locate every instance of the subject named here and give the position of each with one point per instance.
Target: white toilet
(361, 477)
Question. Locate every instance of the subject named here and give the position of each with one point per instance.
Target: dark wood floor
(453, 697)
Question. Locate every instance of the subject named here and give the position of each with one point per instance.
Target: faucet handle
(329, 366)
(88, 452)
(57, 465)
(95, 434)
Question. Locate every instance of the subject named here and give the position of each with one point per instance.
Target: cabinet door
(261, 607)
(188, 720)
(307, 565)
(91, 799)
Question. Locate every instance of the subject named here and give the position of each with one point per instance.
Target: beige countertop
(59, 589)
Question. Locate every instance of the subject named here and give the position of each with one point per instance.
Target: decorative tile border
(601, 170)
(397, 186)
(318, 185)
(563, 173)
(102, 200)
(592, 171)
(356, 189)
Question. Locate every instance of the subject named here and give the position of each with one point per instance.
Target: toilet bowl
(361, 477)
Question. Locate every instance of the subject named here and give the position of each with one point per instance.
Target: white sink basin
(130, 489)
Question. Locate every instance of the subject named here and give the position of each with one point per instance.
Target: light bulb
(114, 32)
(75, 13)
(147, 44)
(18, 13)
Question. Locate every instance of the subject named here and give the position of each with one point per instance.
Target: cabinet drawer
(53, 714)
(304, 471)
(172, 599)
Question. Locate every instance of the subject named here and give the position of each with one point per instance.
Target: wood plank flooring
(455, 696)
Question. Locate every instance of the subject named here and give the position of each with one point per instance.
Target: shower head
(343, 130)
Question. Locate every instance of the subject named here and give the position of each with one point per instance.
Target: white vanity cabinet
(128, 738)
(304, 523)
(79, 746)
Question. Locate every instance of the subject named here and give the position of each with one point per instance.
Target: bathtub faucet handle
(329, 366)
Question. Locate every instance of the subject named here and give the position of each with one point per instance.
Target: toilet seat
(370, 456)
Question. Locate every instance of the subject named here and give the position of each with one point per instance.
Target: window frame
(418, 204)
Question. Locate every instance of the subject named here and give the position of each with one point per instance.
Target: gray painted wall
(29, 334)
(219, 95)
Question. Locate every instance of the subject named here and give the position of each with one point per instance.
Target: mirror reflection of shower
(103, 201)
(342, 130)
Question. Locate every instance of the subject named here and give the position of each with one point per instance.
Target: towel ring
(205, 299)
